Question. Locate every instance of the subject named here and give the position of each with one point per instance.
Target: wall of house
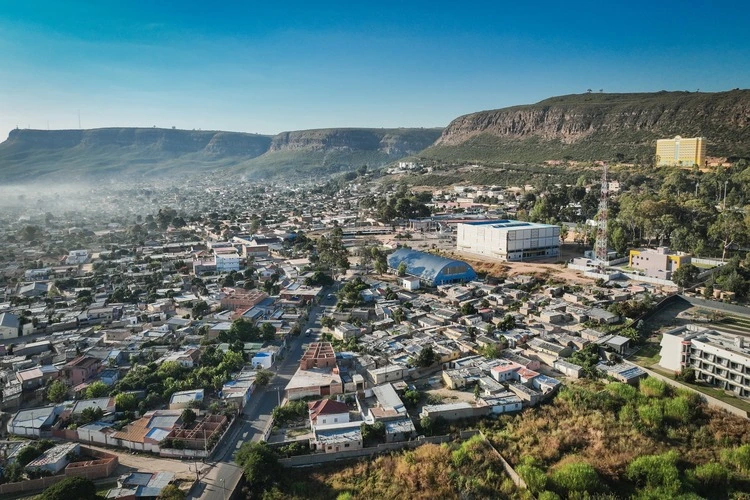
(319, 458)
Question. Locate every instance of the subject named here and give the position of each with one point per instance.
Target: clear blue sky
(262, 66)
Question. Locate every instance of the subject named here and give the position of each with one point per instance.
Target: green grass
(648, 355)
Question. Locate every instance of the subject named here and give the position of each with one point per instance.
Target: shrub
(622, 391)
(713, 479)
(71, 487)
(678, 409)
(737, 458)
(576, 476)
(652, 414)
(653, 387)
(535, 478)
(656, 471)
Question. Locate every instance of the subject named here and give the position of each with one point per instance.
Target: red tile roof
(326, 407)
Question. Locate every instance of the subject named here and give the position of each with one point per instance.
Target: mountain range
(590, 126)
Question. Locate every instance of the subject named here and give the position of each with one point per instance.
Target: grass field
(648, 355)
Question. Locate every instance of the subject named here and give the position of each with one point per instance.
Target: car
(330, 296)
(308, 332)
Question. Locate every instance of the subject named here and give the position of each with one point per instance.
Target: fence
(320, 458)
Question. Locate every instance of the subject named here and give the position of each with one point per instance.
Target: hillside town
(318, 320)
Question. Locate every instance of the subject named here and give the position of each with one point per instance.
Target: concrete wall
(319, 458)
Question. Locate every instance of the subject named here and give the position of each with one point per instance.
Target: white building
(263, 360)
(76, 257)
(227, 262)
(509, 239)
(8, 326)
(717, 358)
(410, 283)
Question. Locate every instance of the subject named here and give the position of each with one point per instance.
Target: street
(223, 474)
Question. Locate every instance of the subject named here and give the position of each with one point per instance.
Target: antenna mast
(600, 247)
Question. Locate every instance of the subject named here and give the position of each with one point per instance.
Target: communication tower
(601, 246)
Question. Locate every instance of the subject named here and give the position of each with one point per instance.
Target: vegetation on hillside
(648, 442)
(467, 470)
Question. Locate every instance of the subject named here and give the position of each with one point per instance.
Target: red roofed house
(327, 411)
(81, 369)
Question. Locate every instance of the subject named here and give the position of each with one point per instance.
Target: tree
(71, 487)
(90, 414)
(260, 465)
(58, 391)
(412, 397)
(188, 417)
(262, 378)
(27, 454)
(467, 309)
(728, 229)
(508, 323)
(426, 357)
(426, 424)
(200, 308)
(126, 401)
(401, 270)
(685, 275)
(491, 351)
(97, 389)
(267, 332)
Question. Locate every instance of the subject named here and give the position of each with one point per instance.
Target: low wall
(517, 480)
(320, 458)
(708, 262)
(104, 466)
(719, 306)
(29, 485)
(648, 279)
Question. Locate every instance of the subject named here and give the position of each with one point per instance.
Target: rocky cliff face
(167, 140)
(75, 154)
(393, 142)
(587, 125)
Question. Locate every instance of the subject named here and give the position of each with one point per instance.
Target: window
(346, 445)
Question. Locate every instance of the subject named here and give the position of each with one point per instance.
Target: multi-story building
(659, 262)
(509, 240)
(227, 262)
(681, 152)
(717, 358)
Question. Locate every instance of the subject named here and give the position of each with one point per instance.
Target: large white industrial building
(509, 240)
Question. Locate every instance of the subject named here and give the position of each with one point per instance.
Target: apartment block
(718, 358)
(681, 152)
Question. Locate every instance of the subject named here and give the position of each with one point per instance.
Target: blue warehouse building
(433, 270)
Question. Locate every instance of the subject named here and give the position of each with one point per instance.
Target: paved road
(223, 474)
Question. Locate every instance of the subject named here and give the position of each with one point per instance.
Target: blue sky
(267, 66)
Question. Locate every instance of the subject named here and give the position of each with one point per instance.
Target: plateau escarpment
(598, 127)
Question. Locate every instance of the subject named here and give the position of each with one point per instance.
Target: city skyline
(253, 68)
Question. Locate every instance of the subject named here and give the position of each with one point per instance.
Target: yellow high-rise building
(681, 152)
